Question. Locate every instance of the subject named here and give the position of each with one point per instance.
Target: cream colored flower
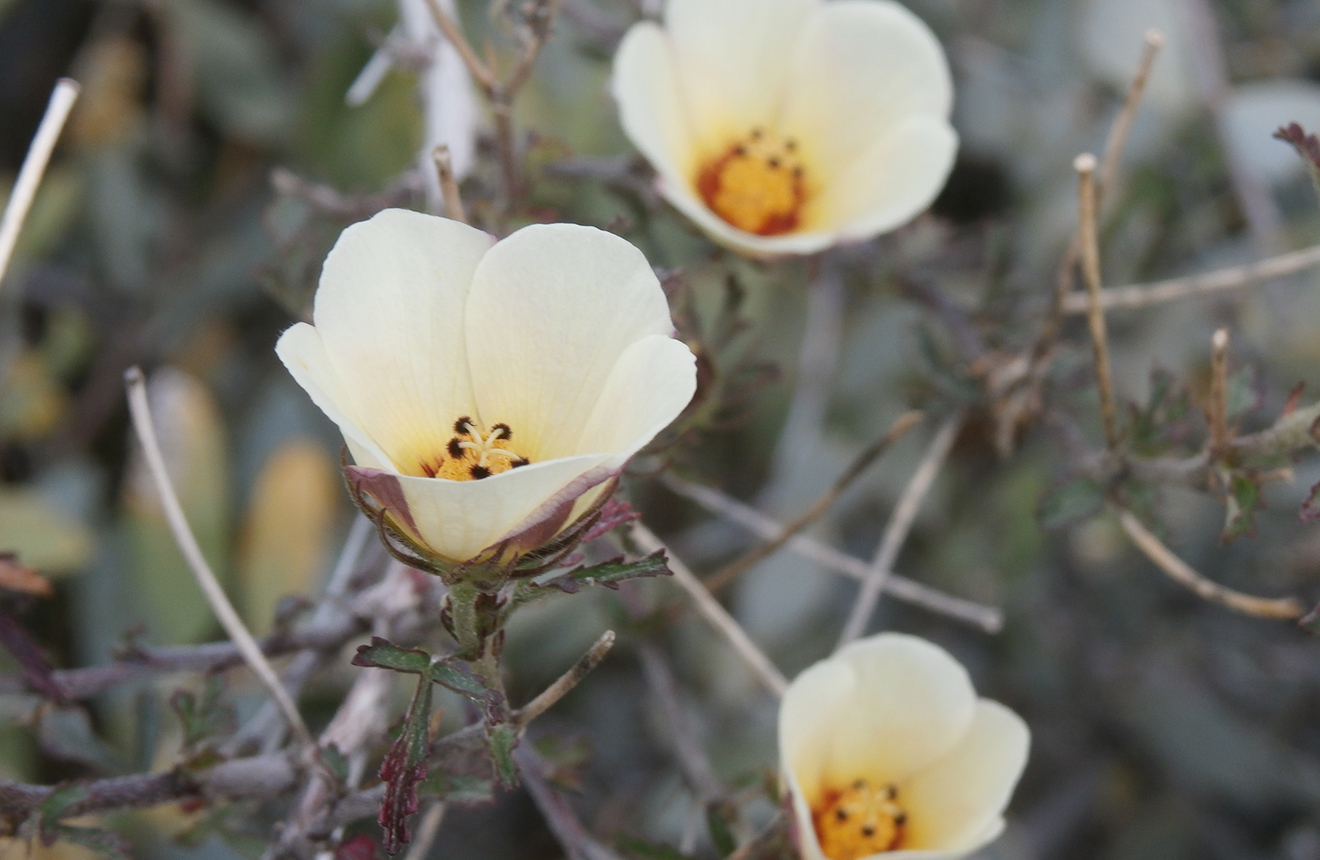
(885, 748)
(787, 126)
(489, 392)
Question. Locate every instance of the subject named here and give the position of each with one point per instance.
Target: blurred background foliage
(1164, 727)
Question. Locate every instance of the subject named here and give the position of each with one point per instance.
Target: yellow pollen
(859, 821)
(471, 454)
(756, 184)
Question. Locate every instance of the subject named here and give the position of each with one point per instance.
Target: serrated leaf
(404, 767)
(206, 717)
(1076, 500)
(383, 654)
(1241, 504)
(501, 739)
(447, 674)
(609, 573)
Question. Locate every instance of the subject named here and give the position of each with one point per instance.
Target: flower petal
(651, 383)
(913, 704)
(302, 352)
(957, 802)
(389, 311)
(892, 183)
(731, 58)
(806, 728)
(459, 519)
(646, 86)
(682, 196)
(860, 68)
(552, 309)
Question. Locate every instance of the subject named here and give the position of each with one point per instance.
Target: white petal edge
(303, 354)
(732, 60)
(890, 185)
(913, 704)
(552, 309)
(389, 310)
(861, 67)
(807, 713)
(953, 803)
(459, 519)
(651, 383)
(645, 86)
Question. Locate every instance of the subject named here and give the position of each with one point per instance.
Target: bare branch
(34, 167)
(1118, 132)
(731, 571)
(566, 682)
(183, 535)
(714, 613)
(692, 758)
(1286, 609)
(1086, 200)
(444, 168)
(896, 530)
(1217, 409)
(559, 815)
(454, 33)
(987, 618)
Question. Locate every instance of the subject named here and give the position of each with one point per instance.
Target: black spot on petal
(900, 819)
(868, 830)
(841, 814)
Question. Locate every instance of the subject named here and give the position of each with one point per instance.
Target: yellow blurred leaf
(287, 531)
(193, 445)
(44, 536)
(31, 402)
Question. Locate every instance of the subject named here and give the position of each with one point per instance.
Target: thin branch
(34, 167)
(1116, 142)
(444, 168)
(183, 535)
(987, 618)
(567, 681)
(1086, 204)
(692, 759)
(731, 571)
(559, 816)
(454, 33)
(896, 530)
(1217, 410)
(714, 613)
(1134, 296)
(1286, 609)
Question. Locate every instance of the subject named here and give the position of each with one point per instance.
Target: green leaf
(465, 789)
(205, 718)
(1241, 504)
(608, 574)
(1076, 500)
(502, 738)
(447, 674)
(721, 836)
(383, 654)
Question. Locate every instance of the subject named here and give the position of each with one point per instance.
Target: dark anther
(501, 431)
(841, 814)
(859, 784)
(891, 792)
(455, 448)
(868, 830)
(797, 171)
(740, 150)
(461, 425)
(521, 461)
(773, 162)
(756, 133)
(479, 472)
(790, 145)
(900, 819)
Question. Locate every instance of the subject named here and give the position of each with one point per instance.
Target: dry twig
(731, 571)
(1217, 411)
(566, 682)
(896, 530)
(183, 535)
(1086, 204)
(444, 168)
(714, 613)
(34, 167)
(1286, 609)
(986, 618)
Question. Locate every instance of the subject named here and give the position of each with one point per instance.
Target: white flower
(787, 126)
(885, 747)
(489, 392)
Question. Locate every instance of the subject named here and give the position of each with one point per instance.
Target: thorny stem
(34, 167)
(727, 574)
(1086, 204)
(1285, 609)
(183, 535)
(898, 527)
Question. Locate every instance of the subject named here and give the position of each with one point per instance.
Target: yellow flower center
(859, 821)
(471, 455)
(757, 184)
